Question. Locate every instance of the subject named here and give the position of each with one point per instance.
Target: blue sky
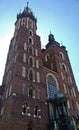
(61, 17)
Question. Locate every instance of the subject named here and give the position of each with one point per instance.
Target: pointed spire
(27, 3)
(50, 31)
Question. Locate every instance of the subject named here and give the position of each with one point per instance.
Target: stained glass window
(51, 86)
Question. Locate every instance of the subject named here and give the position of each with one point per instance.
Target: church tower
(22, 78)
(39, 86)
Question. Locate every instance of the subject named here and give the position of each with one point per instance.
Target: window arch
(31, 75)
(30, 40)
(31, 61)
(52, 85)
(30, 32)
(61, 55)
(47, 57)
(64, 67)
(31, 50)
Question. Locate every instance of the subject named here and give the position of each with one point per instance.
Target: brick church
(38, 90)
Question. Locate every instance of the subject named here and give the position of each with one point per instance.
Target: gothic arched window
(30, 32)
(47, 57)
(52, 85)
(31, 50)
(64, 67)
(30, 40)
(61, 55)
(31, 61)
(31, 75)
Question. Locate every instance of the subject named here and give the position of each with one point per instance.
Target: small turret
(51, 38)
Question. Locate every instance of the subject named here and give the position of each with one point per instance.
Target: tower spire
(27, 3)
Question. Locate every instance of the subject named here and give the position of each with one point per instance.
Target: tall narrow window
(23, 72)
(68, 104)
(38, 77)
(38, 93)
(61, 55)
(30, 32)
(31, 92)
(31, 50)
(30, 40)
(25, 46)
(23, 88)
(6, 93)
(36, 52)
(23, 22)
(37, 64)
(62, 75)
(65, 90)
(64, 67)
(74, 92)
(31, 61)
(10, 89)
(47, 57)
(24, 58)
(31, 75)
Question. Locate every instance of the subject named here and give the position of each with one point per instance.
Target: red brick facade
(29, 71)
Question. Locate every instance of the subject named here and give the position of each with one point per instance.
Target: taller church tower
(39, 86)
(23, 92)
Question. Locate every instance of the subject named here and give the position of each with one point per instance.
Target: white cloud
(4, 45)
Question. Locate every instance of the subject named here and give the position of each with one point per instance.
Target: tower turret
(27, 19)
(51, 38)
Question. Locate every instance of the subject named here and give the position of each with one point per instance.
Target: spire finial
(50, 31)
(27, 4)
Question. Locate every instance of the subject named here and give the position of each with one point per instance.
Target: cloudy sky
(61, 17)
